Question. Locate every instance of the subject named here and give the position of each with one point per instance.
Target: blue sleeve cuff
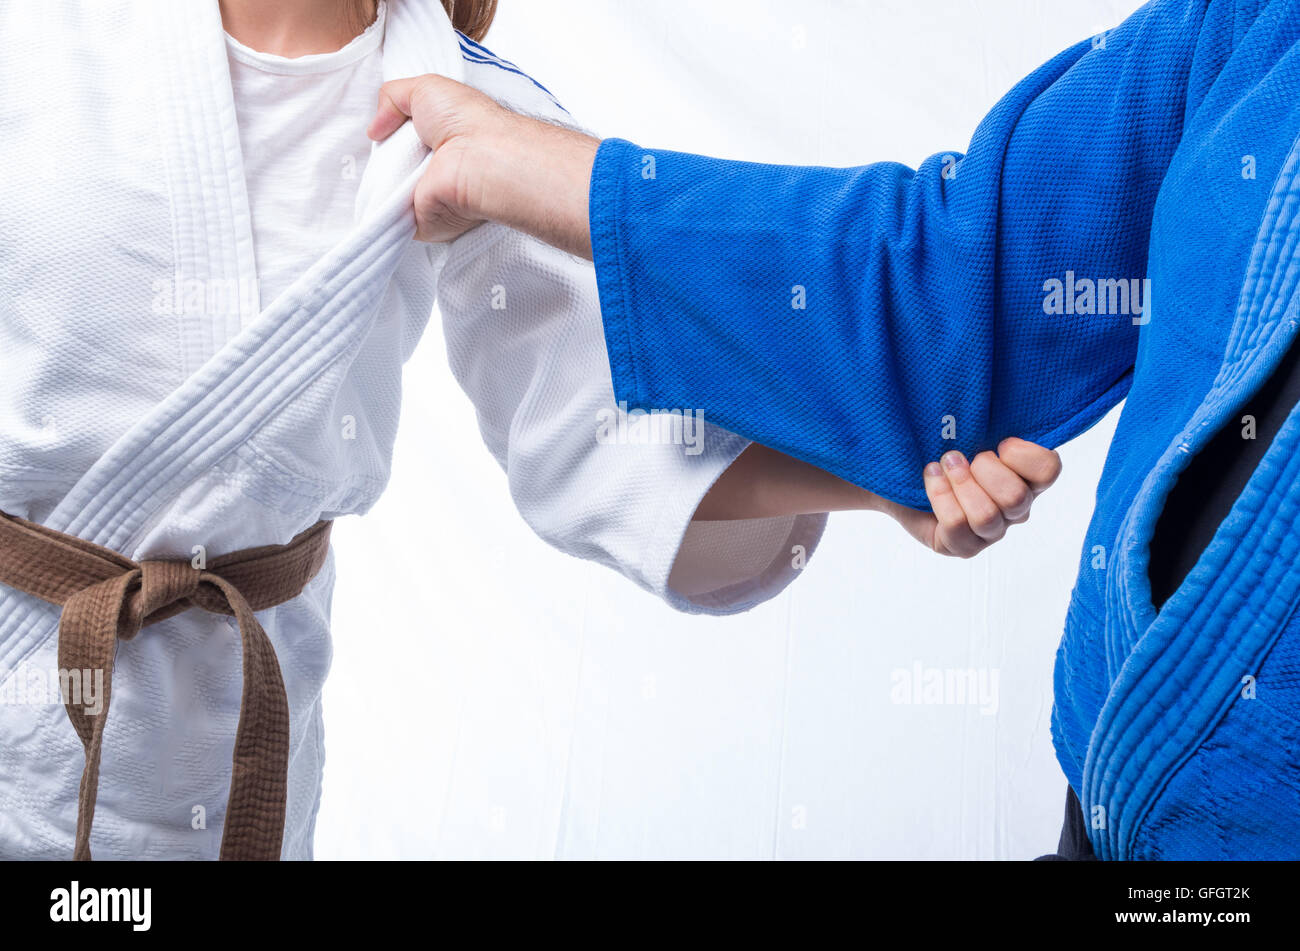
(615, 160)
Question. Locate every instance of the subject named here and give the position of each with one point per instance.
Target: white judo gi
(144, 406)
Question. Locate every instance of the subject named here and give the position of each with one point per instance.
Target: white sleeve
(526, 342)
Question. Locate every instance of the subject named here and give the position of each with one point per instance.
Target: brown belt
(106, 597)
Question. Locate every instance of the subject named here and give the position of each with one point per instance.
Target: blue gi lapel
(1173, 675)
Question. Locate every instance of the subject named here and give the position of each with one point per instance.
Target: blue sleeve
(869, 319)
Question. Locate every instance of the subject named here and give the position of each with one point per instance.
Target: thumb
(394, 107)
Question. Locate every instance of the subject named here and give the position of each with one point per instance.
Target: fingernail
(953, 460)
(933, 469)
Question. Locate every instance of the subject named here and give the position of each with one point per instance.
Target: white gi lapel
(245, 375)
(318, 320)
(419, 40)
(211, 225)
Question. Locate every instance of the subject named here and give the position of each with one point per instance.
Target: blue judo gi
(1125, 222)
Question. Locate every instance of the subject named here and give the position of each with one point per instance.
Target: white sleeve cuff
(724, 567)
(727, 567)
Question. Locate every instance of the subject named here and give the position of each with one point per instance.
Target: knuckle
(1018, 500)
(952, 521)
(937, 490)
(1053, 465)
(419, 91)
(425, 197)
(985, 516)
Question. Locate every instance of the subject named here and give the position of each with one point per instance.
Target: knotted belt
(106, 597)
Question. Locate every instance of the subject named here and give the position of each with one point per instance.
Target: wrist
(535, 176)
(847, 497)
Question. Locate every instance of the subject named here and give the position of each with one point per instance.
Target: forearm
(764, 483)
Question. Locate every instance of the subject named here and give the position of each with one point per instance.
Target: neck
(295, 28)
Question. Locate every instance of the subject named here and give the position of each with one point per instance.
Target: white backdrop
(551, 709)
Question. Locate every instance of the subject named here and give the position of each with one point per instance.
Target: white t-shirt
(302, 130)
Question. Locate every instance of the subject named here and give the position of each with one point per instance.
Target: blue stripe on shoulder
(476, 53)
(466, 41)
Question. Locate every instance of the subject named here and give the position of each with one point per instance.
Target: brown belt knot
(107, 597)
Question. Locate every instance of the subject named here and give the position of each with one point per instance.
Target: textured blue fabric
(1166, 151)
